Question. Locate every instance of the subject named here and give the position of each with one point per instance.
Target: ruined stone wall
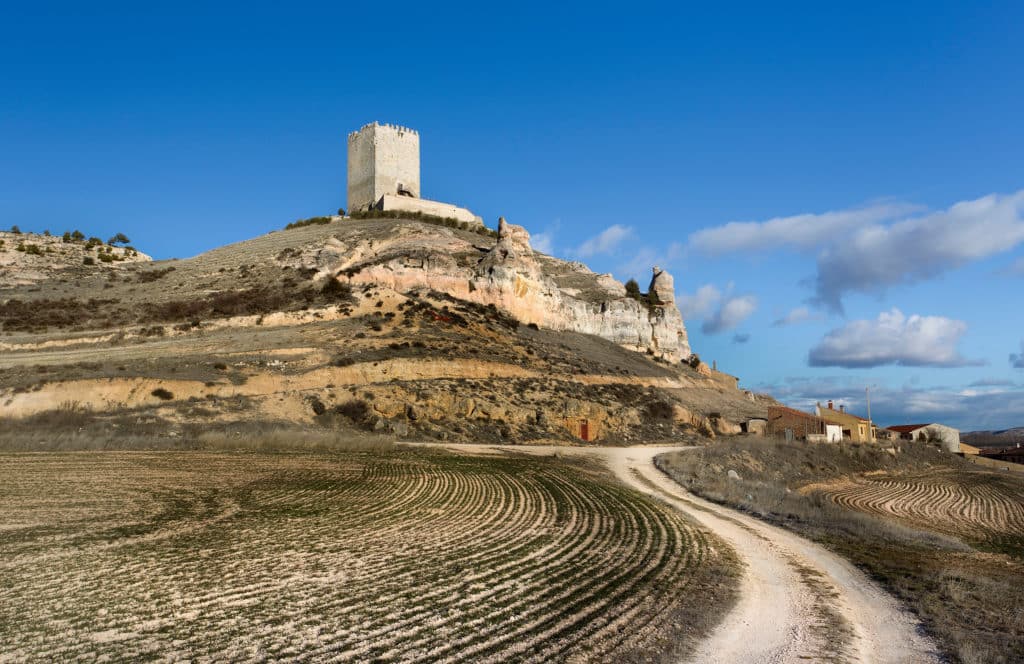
(390, 202)
(380, 157)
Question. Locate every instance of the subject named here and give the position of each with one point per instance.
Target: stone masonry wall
(381, 156)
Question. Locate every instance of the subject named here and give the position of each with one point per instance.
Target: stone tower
(382, 159)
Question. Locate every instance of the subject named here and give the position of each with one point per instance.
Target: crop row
(972, 505)
(398, 557)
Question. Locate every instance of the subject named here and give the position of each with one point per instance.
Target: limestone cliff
(510, 275)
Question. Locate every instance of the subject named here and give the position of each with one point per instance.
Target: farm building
(801, 424)
(887, 435)
(940, 433)
(857, 429)
(1011, 454)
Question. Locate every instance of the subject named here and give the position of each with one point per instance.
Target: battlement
(386, 125)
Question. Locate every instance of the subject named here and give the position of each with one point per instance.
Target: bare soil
(404, 555)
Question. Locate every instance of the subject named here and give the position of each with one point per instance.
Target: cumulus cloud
(872, 248)
(798, 315)
(893, 338)
(740, 338)
(802, 231)
(1017, 359)
(701, 303)
(604, 242)
(732, 312)
(912, 250)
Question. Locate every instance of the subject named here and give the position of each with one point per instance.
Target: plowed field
(390, 556)
(979, 507)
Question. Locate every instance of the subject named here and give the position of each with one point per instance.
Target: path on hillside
(798, 602)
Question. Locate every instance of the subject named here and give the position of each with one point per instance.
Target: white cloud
(920, 248)
(1017, 359)
(893, 338)
(605, 241)
(733, 311)
(964, 408)
(796, 316)
(543, 242)
(640, 261)
(872, 248)
(700, 304)
(802, 231)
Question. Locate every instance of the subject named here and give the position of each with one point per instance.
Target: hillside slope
(390, 325)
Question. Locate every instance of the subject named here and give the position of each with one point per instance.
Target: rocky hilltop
(28, 258)
(407, 327)
(510, 275)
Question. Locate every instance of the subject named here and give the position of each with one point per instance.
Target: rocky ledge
(510, 275)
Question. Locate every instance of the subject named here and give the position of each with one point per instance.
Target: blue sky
(835, 186)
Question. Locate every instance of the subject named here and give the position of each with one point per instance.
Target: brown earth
(238, 334)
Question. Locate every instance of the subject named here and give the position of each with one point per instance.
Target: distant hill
(1001, 438)
(29, 259)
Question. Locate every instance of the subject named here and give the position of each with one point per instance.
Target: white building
(948, 437)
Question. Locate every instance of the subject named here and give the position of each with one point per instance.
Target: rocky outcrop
(532, 287)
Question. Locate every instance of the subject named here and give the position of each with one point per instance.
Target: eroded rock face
(534, 288)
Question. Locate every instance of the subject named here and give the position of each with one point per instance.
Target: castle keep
(384, 173)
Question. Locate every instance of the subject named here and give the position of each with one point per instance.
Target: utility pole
(871, 435)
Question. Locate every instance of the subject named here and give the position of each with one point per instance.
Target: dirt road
(798, 602)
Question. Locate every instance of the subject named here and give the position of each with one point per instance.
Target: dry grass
(72, 428)
(400, 555)
(969, 599)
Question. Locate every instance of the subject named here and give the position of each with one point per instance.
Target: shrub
(341, 212)
(356, 410)
(66, 237)
(106, 258)
(152, 275)
(88, 260)
(120, 238)
(694, 360)
(161, 393)
(93, 242)
(15, 229)
(633, 289)
(659, 410)
(318, 221)
(77, 235)
(335, 290)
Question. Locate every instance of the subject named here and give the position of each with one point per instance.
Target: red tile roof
(792, 411)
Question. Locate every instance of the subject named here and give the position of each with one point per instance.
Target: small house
(857, 429)
(947, 437)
